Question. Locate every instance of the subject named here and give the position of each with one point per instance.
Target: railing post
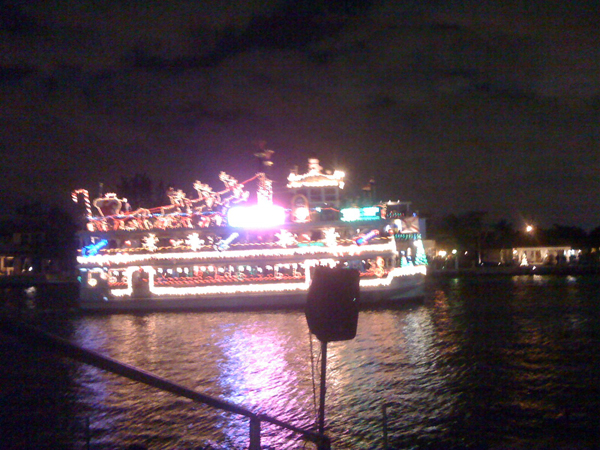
(324, 444)
(254, 433)
(39, 338)
(323, 387)
(385, 426)
(88, 435)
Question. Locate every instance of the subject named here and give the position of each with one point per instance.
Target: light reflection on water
(482, 363)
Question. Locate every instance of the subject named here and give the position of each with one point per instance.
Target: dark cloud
(453, 105)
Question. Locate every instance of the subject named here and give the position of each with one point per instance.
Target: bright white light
(301, 214)
(350, 214)
(302, 285)
(256, 216)
(230, 255)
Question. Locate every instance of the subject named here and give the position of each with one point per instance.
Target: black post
(385, 426)
(88, 435)
(322, 393)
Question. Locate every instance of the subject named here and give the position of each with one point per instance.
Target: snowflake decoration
(286, 239)
(149, 242)
(194, 241)
(331, 236)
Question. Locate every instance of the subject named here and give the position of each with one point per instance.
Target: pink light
(363, 239)
(256, 216)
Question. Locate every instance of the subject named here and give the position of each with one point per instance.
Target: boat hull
(402, 290)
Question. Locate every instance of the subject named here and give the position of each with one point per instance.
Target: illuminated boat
(213, 253)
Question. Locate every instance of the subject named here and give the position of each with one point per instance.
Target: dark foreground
(483, 362)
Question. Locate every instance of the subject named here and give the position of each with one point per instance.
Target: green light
(356, 214)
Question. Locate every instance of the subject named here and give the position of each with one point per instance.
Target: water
(490, 362)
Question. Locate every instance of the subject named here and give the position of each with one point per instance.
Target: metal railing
(39, 338)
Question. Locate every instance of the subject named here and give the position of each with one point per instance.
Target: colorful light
(356, 214)
(149, 242)
(256, 216)
(86, 198)
(267, 288)
(361, 240)
(285, 239)
(194, 241)
(331, 237)
(93, 249)
(224, 244)
(314, 251)
(315, 177)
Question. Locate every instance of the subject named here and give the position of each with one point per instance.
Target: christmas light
(285, 239)
(356, 214)
(232, 255)
(93, 249)
(194, 241)
(420, 256)
(86, 198)
(331, 237)
(169, 291)
(361, 240)
(224, 243)
(149, 242)
(315, 178)
(257, 216)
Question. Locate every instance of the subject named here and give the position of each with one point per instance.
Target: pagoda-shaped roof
(315, 177)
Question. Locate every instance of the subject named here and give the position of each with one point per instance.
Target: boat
(219, 250)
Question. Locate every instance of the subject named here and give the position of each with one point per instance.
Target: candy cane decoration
(86, 199)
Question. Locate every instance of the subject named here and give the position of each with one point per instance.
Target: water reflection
(482, 363)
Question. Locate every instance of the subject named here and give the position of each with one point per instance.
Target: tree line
(470, 232)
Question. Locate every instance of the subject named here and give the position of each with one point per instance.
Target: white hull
(401, 290)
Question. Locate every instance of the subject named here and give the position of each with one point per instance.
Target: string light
(93, 249)
(224, 244)
(361, 240)
(339, 250)
(194, 241)
(315, 178)
(149, 242)
(86, 199)
(254, 288)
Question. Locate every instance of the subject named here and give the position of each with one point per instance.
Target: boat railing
(40, 338)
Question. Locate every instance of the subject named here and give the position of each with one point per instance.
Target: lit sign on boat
(355, 214)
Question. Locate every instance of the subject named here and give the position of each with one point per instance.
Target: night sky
(453, 105)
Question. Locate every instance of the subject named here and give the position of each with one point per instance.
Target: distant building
(19, 249)
(32, 247)
(541, 255)
(517, 256)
